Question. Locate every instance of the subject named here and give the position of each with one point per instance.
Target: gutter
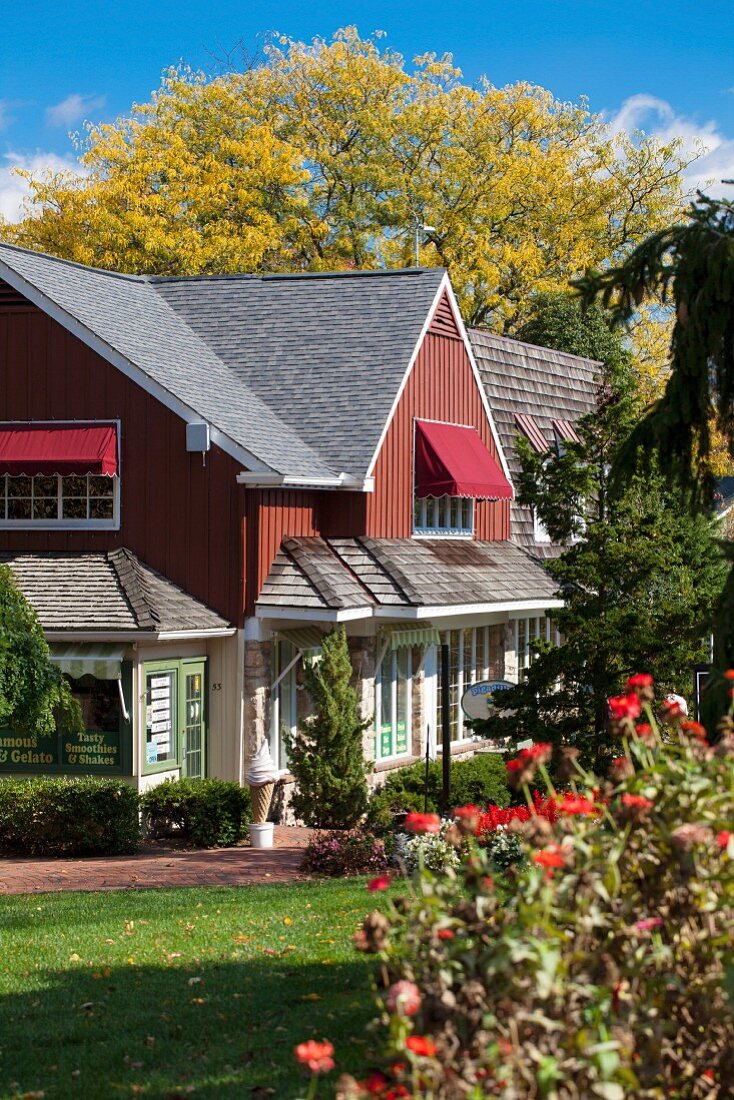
(297, 481)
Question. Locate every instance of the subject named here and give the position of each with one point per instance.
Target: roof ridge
(473, 330)
(268, 276)
(126, 567)
(75, 263)
(401, 580)
(345, 564)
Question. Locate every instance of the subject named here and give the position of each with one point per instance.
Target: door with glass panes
(192, 710)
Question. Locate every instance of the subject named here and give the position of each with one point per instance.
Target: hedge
(208, 813)
(62, 816)
(478, 780)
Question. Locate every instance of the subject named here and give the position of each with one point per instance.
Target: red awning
(67, 449)
(453, 461)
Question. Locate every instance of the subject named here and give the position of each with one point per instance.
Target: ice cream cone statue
(262, 777)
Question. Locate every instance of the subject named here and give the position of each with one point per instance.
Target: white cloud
(13, 189)
(713, 149)
(73, 109)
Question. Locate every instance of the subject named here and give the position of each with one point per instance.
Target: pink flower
(404, 998)
(649, 922)
(625, 706)
(317, 1057)
(423, 823)
(382, 882)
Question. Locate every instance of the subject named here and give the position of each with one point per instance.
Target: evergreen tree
(33, 693)
(326, 756)
(640, 574)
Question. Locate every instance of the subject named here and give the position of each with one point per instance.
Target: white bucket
(261, 836)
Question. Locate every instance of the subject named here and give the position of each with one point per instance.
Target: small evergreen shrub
(477, 781)
(56, 815)
(345, 852)
(209, 813)
(326, 756)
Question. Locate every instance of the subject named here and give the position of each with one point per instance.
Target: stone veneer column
(363, 657)
(258, 678)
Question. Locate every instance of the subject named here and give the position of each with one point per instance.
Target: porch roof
(314, 576)
(106, 592)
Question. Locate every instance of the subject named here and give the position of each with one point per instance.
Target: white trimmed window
(474, 654)
(451, 517)
(538, 628)
(55, 500)
(393, 685)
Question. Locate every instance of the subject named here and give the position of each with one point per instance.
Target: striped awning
(307, 639)
(90, 659)
(406, 637)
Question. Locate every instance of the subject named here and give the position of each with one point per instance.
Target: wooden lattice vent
(13, 302)
(443, 323)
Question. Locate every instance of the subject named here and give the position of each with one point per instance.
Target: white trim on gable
(426, 325)
(445, 285)
(126, 367)
(478, 378)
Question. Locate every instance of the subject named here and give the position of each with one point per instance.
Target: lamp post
(418, 229)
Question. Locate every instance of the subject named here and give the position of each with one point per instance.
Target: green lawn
(172, 993)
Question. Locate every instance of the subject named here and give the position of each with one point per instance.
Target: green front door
(192, 709)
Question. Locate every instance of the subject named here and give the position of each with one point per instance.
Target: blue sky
(661, 66)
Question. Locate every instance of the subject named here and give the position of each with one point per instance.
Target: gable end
(443, 322)
(11, 301)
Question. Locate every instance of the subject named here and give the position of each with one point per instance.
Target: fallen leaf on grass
(287, 920)
(311, 997)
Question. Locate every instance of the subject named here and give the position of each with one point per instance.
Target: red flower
(423, 823)
(625, 706)
(695, 729)
(649, 922)
(644, 730)
(674, 708)
(549, 857)
(729, 674)
(445, 934)
(404, 998)
(637, 802)
(382, 882)
(374, 1084)
(622, 768)
(421, 1045)
(722, 838)
(317, 1057)
(640, 680)
(576, 804)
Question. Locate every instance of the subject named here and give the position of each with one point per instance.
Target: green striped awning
(90, 659)
(306, 638)
(405, 637)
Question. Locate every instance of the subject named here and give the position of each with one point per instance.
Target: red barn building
(199, 476)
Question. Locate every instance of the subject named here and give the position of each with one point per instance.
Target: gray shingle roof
(547, 385)
(106, 591)
(298, 370)
(401, 573)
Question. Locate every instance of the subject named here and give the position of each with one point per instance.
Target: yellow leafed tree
(328, 156)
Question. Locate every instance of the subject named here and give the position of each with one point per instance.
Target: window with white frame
(393, 704)
(527, 631)
(56, 500)
(540, 534)
(475, 654)
(448, 516)
(284, 701)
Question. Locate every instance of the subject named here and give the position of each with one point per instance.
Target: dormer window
(59, 476)
(453, 468)
(453, 516)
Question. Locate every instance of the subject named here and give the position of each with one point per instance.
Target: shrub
(478, 780)
(608, 974)
(326, 756)
(345, 852)
(432, 850)
(209, 813)
(63, 816)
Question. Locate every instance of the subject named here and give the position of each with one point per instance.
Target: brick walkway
(161, 867)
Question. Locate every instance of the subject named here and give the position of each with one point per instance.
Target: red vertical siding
(273, 515)
(180, 517)
(441, 386)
